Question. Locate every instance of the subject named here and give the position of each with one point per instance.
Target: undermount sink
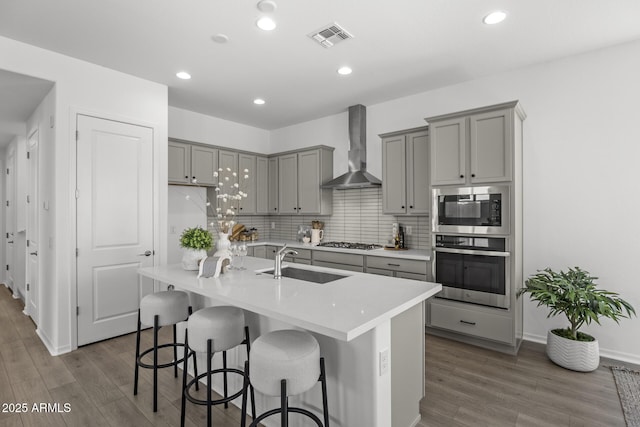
(307, 275)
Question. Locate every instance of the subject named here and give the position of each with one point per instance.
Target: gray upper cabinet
(247, 185)
(475, 146)
(273, 186)
(179, 162)
(300, 176)
(288, 184)
(203, 163)
(405, 172)
(262, 185)
(190, 161)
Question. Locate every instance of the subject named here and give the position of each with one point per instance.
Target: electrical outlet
(409, 230)
(172, 229)
(384, 361)
(273, 225)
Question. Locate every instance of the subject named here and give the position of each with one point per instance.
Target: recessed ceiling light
(220, 38)
(344, 71)
(495, 17)
(259, 101)
(183, 75)
(267, 6)
(265, 23)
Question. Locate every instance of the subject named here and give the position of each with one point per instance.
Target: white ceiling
(399, 47)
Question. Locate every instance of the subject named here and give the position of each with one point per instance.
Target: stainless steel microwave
(471, 210)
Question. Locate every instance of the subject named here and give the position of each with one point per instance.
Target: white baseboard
(55, 351)
(609, 354)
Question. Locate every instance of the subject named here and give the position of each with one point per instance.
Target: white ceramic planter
(575, 355)
(192, 257)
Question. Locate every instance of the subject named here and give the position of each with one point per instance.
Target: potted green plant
(196, 242)
(574, 294)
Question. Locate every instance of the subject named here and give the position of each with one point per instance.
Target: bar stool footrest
(165, 365)
(213, 402)
(275, 411)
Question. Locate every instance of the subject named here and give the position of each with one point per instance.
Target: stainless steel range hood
(357, 176)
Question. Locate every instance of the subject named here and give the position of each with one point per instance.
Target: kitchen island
(370, 329)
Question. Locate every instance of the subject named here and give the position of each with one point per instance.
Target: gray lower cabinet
(483, 322)
(398, 267)
(303, 257)
(259, 251)
(339, 260)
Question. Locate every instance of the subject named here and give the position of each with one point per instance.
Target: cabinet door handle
(186, 177)
(461, 176)
(393, 265)
(410, 206)
(468, 323)
(402, 207)
(473, 175)
(34, 253)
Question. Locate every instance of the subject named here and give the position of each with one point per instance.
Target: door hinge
(28, 201)
(7, 171)
(77, 194)
(7, 203)
(77, 310)
(27, 287)
(77, 135)
(7, 267)
(7, 235)
(27, 242)
(28, 155)
(77, 251)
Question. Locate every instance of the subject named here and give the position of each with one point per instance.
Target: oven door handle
(474, 252)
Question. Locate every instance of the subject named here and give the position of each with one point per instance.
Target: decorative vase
(582, 356)
(223, 244)
(191, 258)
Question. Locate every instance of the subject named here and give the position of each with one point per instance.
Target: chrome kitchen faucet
(277, 267)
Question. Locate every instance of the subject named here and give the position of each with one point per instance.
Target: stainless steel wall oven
(473, 269)
(471, 210)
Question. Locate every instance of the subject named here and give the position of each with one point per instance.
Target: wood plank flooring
(466, 385)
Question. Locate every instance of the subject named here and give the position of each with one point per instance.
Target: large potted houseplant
(196, 242)
(574, 294)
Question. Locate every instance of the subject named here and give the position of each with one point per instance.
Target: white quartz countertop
(343, 309)
(417, 254)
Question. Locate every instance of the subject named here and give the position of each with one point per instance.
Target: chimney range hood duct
(357, 176)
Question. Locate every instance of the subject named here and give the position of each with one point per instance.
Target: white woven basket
(575, 355)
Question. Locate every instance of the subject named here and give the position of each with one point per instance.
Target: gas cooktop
(348, 245)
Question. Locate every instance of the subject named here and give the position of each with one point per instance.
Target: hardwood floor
(466, 385)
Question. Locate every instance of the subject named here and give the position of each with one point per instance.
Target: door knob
(34, 253)
(146, 253)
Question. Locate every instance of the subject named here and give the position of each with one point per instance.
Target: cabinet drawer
(347, 267)
(303, 253)
(472, 322)
(297, 260)
(379, 271)
(412, 276)
(340, 258)
(397, 264)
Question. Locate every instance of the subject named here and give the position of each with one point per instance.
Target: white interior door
(114, 225)
(33, 227)
(10, 191)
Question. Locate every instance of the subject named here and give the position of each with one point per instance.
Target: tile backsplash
(357, 217)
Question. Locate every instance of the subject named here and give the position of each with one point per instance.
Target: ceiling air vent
(330, 35)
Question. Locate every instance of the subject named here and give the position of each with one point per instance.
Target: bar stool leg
(155, 362)
(209, 405)
(135, 377)
(323, 382)
(184, 379)
(175, 352)
(245, 385)
(284, 404)
(253, 396)
(224, 365)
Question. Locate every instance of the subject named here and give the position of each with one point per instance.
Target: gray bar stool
(212, 330)
(160, 309)
(285, 363)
